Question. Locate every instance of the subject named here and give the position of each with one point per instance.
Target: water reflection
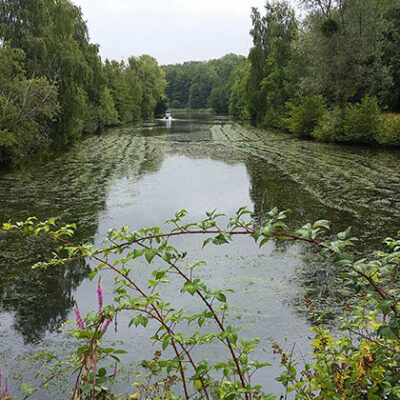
(72, 187)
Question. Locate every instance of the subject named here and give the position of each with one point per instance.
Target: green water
(140, 175)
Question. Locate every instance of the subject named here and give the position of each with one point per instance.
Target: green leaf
(205, 243)
(221, 297)
(160, 275)
(222, 238)
(344, 235)
(166, 342)
(243, 359)
(198, 384)
(120, 352)
(139, 320)
(323, 223)
(137, 253)
(386, 306)
(150, 254)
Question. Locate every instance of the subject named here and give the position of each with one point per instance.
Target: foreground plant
(362, 363)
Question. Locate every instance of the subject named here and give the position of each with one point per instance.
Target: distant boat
(168, 115)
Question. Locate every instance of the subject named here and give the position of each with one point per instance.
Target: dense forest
(329, 75)
(333, 75)
(198, 85)
(53, 84)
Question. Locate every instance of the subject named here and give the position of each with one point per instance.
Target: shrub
(360, 362)
(390, 133)
(305, 117)
(362, 121)
(330, 128)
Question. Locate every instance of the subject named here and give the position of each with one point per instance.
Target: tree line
(53, 84)
(200, 85)
(334, 74)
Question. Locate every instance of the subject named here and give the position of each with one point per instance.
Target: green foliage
(161, 107)
(269, 84)
(27, 106)
(359, 123)
(136, 88)
(305, 117)
(238, 103)
(152, 80)
(330, 127)
(341, 50)
(109, 115)
(362, 121)
(175, 104)
(49, 54)
(345, 52)
(390, 132)
(361, 361)
(146, 304)
(200, 85)
(203, 82)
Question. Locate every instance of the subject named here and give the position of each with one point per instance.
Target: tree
(269, 85)
(341, 49)
(27, 106)
(238, 100)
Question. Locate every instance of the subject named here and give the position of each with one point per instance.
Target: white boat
(168, 115)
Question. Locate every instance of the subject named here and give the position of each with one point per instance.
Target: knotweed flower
(100, 297)
(79, 319)
(106, 325)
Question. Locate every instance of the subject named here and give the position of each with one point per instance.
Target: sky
(172, 31)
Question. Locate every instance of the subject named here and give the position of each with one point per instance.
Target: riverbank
(360, 123)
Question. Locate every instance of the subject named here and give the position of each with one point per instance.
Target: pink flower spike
(100, 297)
(79, 319)
(106, 325)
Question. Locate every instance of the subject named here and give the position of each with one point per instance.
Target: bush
(305, 117)
(390, 133)
(362, 121)
(330, 128)
(359, 362)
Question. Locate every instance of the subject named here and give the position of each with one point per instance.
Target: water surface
(139, 175)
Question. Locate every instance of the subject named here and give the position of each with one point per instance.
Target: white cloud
(170, 30)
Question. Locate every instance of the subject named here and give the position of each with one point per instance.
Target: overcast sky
(172, 31)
